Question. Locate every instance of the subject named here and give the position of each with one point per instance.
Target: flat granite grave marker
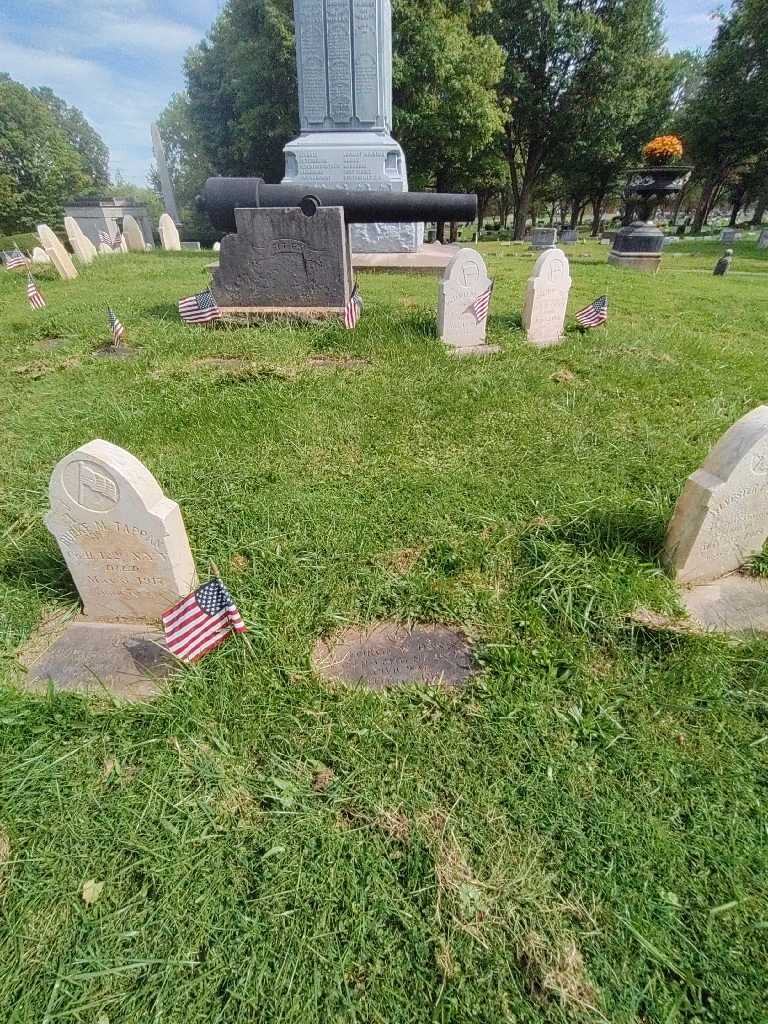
(465, 279)
(719, 523)
(56, 253)
(543, 238)
(389, 654)
(82, 246)
(133, 235)
(546, 298)
(569, 235)
(169, 234)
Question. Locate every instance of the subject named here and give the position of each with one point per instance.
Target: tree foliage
(83, 138)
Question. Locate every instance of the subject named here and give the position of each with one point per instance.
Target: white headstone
(762, 242)
(56, 253)
(217, 246)
(169, 234)
(546, 298)
(123, 541)
(39, 256)
(82, 246)
(721, 518)
(730, 235)
(132, 234)
(465, 278)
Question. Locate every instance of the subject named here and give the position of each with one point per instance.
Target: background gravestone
(123, 541)
(546, 298)
(169, 234)
(465, 278)
(39, 255)
(133, 235)
(569, 235)
(762, 242)
(344, 64)
(82, 246)
(56, 253)
(165, 179)
(543, 238)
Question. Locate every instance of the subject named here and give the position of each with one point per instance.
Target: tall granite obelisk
(344, 61)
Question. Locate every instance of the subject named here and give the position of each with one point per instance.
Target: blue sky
(119, 61)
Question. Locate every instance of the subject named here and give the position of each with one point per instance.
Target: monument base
(459, 351)
(431, 258)
(637, 247)
(641, 262)
(244, 314)
(733, 604)
(356, 161)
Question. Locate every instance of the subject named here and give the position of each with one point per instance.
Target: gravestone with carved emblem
(546, 298)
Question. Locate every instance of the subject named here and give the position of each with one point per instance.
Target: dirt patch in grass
(38, 369)
(322, 779)
(394, 824)
(557, 971)
(110, 351)
(239, 563)
(655, 357)
(402, 560)
(563, 377)
(337, 362)
(50, 344)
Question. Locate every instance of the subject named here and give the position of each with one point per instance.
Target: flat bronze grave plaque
(390, 654)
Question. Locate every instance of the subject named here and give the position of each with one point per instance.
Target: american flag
(118, 331)
(34, 296)
(595, 313)
(15, 259)
(482, 304)
(199, 309)
(353, 309)
(107, 239)
(201, 621)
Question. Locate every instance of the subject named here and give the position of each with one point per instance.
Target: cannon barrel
(222, 196)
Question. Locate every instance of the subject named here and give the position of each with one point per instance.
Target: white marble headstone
(465, 278)
(82, 246)
(169, 234)
(721, 518)
(56, 253)
(546, 298)
(123, 541)
(133, 235)
(39, 255)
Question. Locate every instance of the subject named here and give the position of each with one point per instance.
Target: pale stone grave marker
(39, 255)
(132, 234)
(546, 298)
(464, 280)
(169, 234)
(56, 253)
(719, 522)
(762, 242)
(82, 246)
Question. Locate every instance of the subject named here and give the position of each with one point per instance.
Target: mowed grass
(578, 835)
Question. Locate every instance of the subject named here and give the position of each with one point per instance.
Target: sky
(119, 61)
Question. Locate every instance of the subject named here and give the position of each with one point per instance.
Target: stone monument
(546, 298)
(543, 238)
(39, 255)
(133, 235)
(56, 253)
(123, 541)
(720, 521)
(464, 280)
(169, 234)
(82, 246)
(569, 235)
(165, 179)
(762, 241)
(344, 63)
(98, 218)
(730, 235)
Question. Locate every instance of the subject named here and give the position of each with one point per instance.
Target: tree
(39, 167)
(82, 137)
(563, 58)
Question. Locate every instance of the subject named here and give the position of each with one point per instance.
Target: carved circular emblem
(90, 486)
(759, 463)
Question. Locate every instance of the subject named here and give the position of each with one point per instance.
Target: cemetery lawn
(580, 834)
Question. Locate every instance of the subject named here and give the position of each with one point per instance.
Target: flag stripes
(594, 314)
(201, 621)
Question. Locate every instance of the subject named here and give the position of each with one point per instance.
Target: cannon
(222, 196)
(288, 250)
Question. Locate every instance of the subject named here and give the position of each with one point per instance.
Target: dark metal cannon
(222, 196)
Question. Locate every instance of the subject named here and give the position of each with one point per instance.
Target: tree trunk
(582, 211)
(760, 207)
(440, 232)
(735, 207)
(704, 207)
(454, 231)
(573, 219)
(552, 215)
(524, 193)
(597, 213)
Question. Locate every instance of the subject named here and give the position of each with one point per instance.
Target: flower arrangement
(664, 149)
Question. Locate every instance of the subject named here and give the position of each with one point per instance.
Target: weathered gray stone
(123, 541)
(546, 298)
(543, 238)
(762, 242)
(732, 604)
(721, 518)
(165, 179)
(730, 235)
(569, 235)
(281, 259)
(464, 280)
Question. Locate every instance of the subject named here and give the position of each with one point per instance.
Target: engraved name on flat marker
(123, 541)
(721, 517)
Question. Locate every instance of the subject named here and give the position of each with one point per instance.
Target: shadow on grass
(41, 569)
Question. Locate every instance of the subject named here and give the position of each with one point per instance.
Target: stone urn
(639, 243)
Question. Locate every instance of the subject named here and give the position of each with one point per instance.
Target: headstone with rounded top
(56, 253)
(133, 235)
(39, 255)
(169, 234)
(82, 246)
(546, 298)
(459, 324)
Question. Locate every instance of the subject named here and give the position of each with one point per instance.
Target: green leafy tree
(39, 167)
(82, 137)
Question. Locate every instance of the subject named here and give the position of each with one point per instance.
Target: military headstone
(546, 298)
(133, 235)
(464, 280)
(123, 541)
(165, 179)
(217, 246)
(344, 64)
(169, 234)
(721, 518)
(56, 253)
(82, 246)
(39, 255)
(543, 238)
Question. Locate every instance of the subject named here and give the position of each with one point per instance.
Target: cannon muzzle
(222, 196)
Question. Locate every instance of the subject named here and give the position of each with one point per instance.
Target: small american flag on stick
(201, 621)
(482, 304)
(117, 329)
(199, 309)
(15, 259)
(106, 238)
(594, 314)
(34, 296)
(353, 309)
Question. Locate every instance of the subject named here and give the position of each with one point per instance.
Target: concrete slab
(431, 258)
(733, 604)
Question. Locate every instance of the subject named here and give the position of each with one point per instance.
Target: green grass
(578, 835)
